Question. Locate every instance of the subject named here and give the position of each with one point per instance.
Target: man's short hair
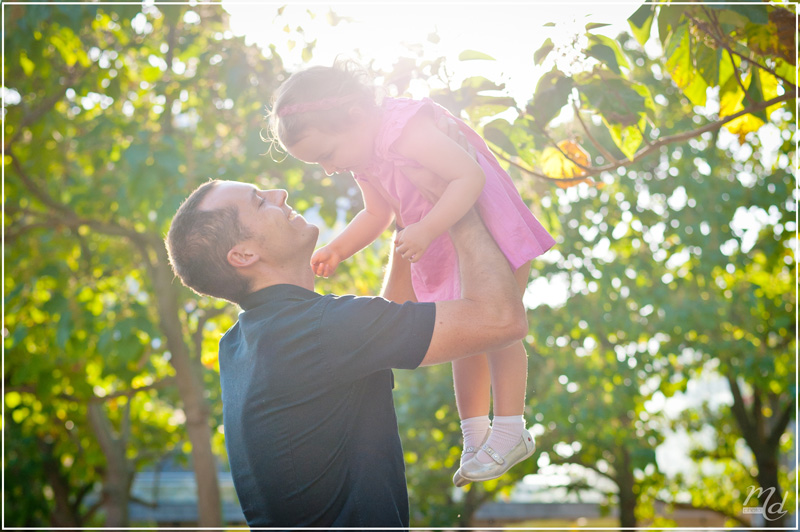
(198, 242)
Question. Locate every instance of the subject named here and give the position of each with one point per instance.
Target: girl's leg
(509, 378)
(472, 383)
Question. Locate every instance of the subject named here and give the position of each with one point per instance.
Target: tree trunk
(118, 474)
(764, 442)
(63, 514)
(190, 386)
(469, 507)
(770, 497)
(627, 497)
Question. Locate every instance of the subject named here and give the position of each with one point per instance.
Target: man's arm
(490, 313)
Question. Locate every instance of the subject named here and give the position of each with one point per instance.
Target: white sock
(506, 433)
(474, 430)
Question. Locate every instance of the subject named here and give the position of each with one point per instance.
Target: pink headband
(319, 105)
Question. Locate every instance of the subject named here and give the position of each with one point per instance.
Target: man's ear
(241, 256)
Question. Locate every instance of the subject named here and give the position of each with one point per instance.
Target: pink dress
(516, 230)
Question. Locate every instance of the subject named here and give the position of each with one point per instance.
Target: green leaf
(754, 94)
(641, 22)
(617, 101)
(681, 66)
(754, 13)
(605, 55)
(786, 70)
(481, 106)
(708, 61)
(496, 132)
(627, 138)
(472, 55)
(619, 55)
(552, 94)
(669, 18)
(477, 84)
(540, 54)
(64, 330)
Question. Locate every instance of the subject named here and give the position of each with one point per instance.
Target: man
(306, 378)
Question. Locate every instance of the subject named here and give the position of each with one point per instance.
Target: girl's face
(347, 150)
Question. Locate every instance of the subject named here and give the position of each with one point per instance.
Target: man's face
(276, 229)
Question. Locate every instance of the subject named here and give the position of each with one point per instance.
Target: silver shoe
(458, 480)
(475, 471)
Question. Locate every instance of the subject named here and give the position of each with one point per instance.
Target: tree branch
(46, 106)
(534, 173)
(197, 336)
(719, 40)
(575, 461)
(740, 413)
(774, 437)
(69, 218)
(605, 153)
(680, 137)
(758, 416)
(163, 383)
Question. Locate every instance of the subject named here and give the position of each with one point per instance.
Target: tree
(741, 54)
(121, 111)
(654, 121)
(138, 105)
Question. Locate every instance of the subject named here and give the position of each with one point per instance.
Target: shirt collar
(271, 293)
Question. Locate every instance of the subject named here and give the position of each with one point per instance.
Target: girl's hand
(412, 242)
(324, 261)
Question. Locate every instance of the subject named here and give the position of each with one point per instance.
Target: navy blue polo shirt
(309, 420)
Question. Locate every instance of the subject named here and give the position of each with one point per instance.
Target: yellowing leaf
(731, 96)
(743, 125)
(682, 68)
(731, 102)
(556, 166)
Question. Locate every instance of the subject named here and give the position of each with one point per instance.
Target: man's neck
(302, 277)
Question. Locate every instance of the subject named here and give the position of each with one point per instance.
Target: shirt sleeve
(362, 335)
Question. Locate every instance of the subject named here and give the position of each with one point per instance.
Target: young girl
(399, 151)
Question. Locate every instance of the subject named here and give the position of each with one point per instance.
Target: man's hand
(413, 241)
(324, 261)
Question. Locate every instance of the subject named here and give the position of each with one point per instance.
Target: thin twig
(594, 141)
(719, 41)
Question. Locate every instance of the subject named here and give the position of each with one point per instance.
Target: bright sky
(383, 31)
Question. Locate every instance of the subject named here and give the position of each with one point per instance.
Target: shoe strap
(494, 455)
(470, 449)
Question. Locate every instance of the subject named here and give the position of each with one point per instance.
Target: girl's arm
(362, 230)
(464, 179)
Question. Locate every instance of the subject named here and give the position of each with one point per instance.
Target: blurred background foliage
(667, 177)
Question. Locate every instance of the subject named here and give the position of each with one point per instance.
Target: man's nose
(278, 196)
